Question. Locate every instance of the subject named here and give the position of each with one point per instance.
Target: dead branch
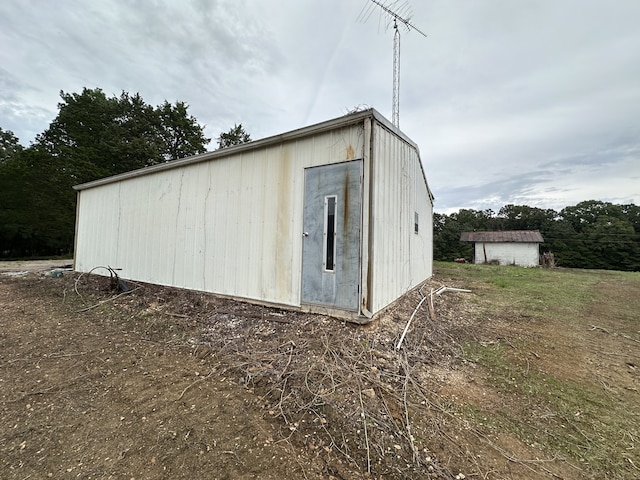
(62, 355)
(102, 302)
(201, 379)
(406, 328)
(414, 450)
(52, 388)
(179, 315)
(292, 346)
(366, 433)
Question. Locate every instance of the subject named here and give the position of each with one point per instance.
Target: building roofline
(503, 236)
(343, 121)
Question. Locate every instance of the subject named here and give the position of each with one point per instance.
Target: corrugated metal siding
(508, 253)
(400, 259)
(232, 225)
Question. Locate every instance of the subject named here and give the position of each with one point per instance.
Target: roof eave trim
(338, 122)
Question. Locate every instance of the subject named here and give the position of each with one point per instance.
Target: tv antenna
(398, 14)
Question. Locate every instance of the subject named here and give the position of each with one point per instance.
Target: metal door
(331, 249)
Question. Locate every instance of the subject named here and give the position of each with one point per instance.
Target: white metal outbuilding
(510, 247)
(335, 218)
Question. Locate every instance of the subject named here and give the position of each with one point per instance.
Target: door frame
(357, 276)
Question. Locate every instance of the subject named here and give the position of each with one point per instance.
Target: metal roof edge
(396, 131)
(337, 122)
(502, 236)
(391, 127)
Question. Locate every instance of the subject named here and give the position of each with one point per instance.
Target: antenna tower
(400, 13)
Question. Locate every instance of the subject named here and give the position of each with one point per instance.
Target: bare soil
(160, 383)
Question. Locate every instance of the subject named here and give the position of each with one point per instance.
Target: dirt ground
(162, 383)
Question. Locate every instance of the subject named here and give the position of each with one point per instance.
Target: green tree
(446, 239)
(591, 234)
(587, 212)
(11, 191)
(607, 236)
(523, 217)
(631, 213)
(180, 133)
(92, 136)
(134, 136)
(11, 203)
(36, 217)
(86, 135)
(447, 230)
(100, 136)
(561, 238)
(610, 242)
(235, 136)
(9, 145)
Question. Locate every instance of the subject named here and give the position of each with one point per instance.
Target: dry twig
(201, 379)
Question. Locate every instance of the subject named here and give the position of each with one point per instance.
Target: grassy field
(561, 351)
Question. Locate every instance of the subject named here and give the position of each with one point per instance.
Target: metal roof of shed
(508, 236)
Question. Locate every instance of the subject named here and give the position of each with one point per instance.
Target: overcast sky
(530, 102)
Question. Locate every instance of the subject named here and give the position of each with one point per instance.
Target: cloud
(509, 102)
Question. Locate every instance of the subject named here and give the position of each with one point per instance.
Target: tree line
(93, 136)
(591, 234)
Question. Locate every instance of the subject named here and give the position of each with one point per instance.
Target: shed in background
(334, 217)
(514, 247)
